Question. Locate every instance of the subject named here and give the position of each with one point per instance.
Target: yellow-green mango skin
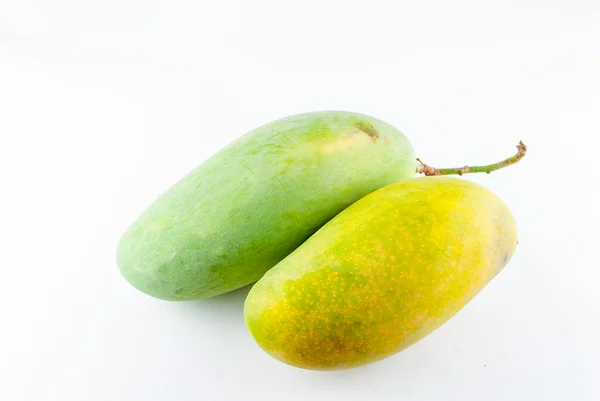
(239, 213)
(382, 275)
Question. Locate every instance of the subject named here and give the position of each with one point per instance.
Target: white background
(105, 104)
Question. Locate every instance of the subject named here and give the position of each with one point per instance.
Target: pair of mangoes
(355, 258)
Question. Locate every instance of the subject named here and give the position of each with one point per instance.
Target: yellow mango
(383, 274)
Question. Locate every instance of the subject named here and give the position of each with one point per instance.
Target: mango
(228, 221)
(382, 275)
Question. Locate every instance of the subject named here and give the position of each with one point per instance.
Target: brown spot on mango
(369, 129)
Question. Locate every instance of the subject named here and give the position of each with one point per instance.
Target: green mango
(227, 222)
(382, 274)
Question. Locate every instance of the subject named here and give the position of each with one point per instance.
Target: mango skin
(227, 222)
(382, 275)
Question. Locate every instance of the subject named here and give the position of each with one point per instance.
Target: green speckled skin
(382, 275)
(243, 210)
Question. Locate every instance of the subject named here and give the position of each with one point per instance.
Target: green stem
(423, 168)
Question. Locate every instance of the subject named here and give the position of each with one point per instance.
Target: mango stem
(423, 168)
